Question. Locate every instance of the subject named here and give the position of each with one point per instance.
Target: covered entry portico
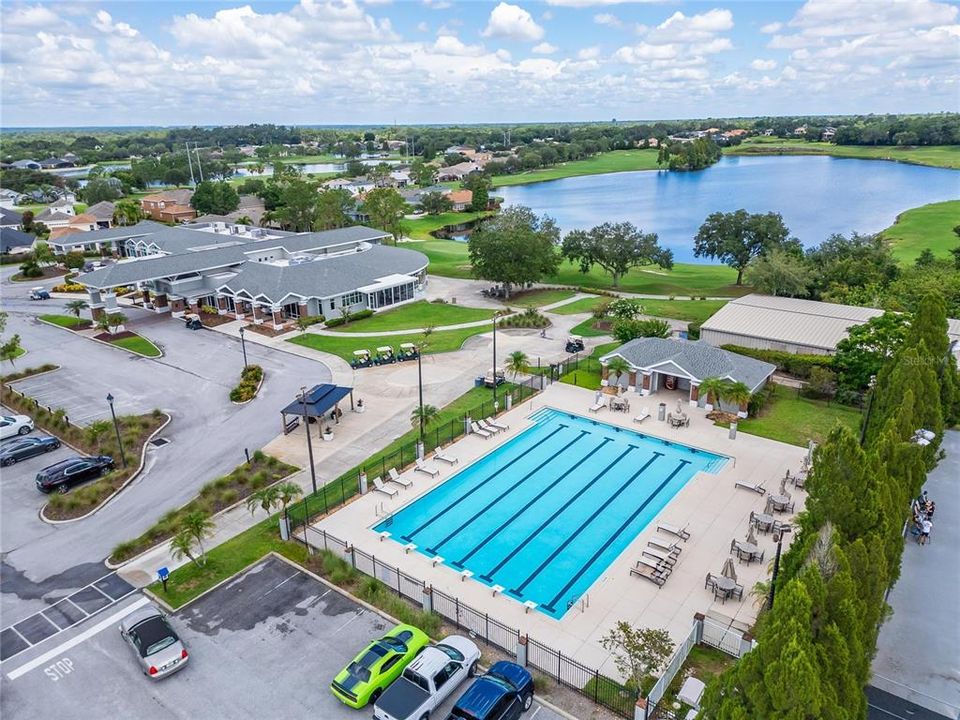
(321, 403)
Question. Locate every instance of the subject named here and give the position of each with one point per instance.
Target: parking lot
(266, 644)
(82, 395)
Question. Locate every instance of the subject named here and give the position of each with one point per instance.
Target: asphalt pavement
(42, 563)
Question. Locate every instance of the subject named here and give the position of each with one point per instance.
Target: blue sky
(443, 61)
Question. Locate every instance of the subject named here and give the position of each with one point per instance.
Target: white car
(12, 425)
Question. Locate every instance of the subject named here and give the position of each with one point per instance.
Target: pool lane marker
(409, 536)
(518, 591)
(435, 547)
(633, 516)
(489, 574)
(500, 528)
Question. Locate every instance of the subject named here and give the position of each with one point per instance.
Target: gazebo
(316, 403)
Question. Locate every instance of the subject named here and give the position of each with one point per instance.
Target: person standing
(925, 527)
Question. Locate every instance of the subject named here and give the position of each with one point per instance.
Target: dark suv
(72, 471)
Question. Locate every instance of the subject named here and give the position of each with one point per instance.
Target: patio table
(763, 521)
(748, 549)
(780, 502)
(725, 584)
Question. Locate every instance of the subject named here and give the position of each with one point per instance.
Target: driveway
(271, 617)
(208, 434)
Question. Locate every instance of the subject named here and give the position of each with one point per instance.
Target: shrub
(822, 383)
(529, 318)
(250, 379)
(360, 315)
(229, 497)
(259, 456)
(797, 365)
(693, 331)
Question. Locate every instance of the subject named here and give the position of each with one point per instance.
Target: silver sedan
(153, 642)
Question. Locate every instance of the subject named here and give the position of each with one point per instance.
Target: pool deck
(712, 508)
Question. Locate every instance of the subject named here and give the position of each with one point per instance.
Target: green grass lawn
(65, 321)
(440, 341)
(419, 314)
(538, 298)
(586, 329)
(930, 226)
(137, 344)
(615, 161)
(947, 156)
(421, 227)
(797, 420)
(450, 259)
(583, 305)
(689, 310)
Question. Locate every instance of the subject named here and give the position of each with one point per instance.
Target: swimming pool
(544, 514)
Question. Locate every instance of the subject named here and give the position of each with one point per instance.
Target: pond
(817, 196)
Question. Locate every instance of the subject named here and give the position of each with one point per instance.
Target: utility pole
(193, 180)
(196, 149)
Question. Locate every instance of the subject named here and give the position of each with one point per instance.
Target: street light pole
(306, 428)
(116, 427)
(776, 564)
(420, 384)
(243, 347)
(495, 361)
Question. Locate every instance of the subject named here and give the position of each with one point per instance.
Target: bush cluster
(529, 318)
(799, 366)
(360, 315)
(249, 382)
(70, 288)
(308, 320)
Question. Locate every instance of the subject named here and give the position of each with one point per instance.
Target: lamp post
(495, 316)
(776, 563)
(306, 428)
(116, 427)
(243, 347)
(420, 386)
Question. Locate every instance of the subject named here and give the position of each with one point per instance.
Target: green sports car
(381, 663)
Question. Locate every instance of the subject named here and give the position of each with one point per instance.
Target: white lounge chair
(668, 559)
(380, 487)
(395, 478)
(644, 414)
(670, 529)
(477, 430)
(660, 567)
(648, 573)
(488, 427)
(757, 488)
(598, 405)
(493, 423)
(438, 454)
(664, 545)
(429, 469)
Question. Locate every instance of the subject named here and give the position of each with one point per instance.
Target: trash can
(662, 412)
(478, 381)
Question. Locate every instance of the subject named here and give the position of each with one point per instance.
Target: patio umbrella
(751, 538)
(679, 406)
(769, 505)
(728, 570)
(783, 485)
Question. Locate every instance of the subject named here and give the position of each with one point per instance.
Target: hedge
(797, 365)
(249, 382)
(334, 322)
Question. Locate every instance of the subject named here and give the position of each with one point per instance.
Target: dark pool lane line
(518, 591)
(488, 576)
(434, 548)
(626, 523)
(478, 486)
(536, 498)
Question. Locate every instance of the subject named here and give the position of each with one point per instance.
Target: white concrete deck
(713, 509)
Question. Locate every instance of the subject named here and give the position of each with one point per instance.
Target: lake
(817, 196)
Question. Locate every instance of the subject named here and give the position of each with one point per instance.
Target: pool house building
(267, 276)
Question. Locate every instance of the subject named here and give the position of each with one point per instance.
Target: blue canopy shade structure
(316, 402)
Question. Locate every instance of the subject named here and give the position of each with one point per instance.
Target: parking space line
(76, 606)
(282, 582)
(360, 613)
(94, 587)
(17, 632)
(539, 708)
(56, 628)
(76, 640)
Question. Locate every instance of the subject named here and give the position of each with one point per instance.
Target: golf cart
(492, 377)
(384, 356)
(38, 293)
(575, 344)
(192, 321)
(361, 359)
(408, 351)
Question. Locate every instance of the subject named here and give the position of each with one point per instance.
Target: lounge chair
(668, 559)
(438, 454)
(598, 405)
(395, 478)
(680, 532)
(644, 414)
(657, 578)
(380, 487)
(666, 546)
(654, 564)
(428, 468)
(488, 427)
(493, 423)
(759, 489)
(477, 430)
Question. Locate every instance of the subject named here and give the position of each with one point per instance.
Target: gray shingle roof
(10, 217)
(102, 210)
(144, 227)
(11, 238)
(697, 359)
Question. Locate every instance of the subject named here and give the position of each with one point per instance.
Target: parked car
(155, 645)
(428, 680)
(38, 293)
(60, 476)
(25, 448)
(502, 694)
(13, 425)
(380, 663)
(574, 344)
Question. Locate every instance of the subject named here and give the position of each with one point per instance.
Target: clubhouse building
(267, 276)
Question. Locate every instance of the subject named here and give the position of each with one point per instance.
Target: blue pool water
(544, 514)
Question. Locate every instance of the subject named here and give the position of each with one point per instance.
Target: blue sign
(163, 574)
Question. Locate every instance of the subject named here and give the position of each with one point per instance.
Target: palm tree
(619, 366)
(96, 430)
(245, 220)
(199, 526)
(127, 212)
(430, 416)
(288, 492)
(518, 363)
(265, 499)
(181, 546)
(76, 307)
(736, 393)
(714, 388)
(103, 323)
(115, 320)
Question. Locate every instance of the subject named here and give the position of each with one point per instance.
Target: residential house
(800, 131)
(768, 132)
(14, 241)
(828, 133)
(84, 222)
(71, 158)
(169, 206)
(400, 178)
(10, 218)
(10, 198)
(103, 212)
(53, 163)
(58, 235)
(456, 172)
(25, 165)
(53, 218)
(460, 199)
(100, 240)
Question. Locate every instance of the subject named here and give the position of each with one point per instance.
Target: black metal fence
(338, 491)
(564, 670)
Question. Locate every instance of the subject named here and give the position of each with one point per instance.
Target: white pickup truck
(429, 680)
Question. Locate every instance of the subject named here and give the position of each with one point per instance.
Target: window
(451, 651)
(448, 671)
(390, 663)
(417, 679)
(333, 304)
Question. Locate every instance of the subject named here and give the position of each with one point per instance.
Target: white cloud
(452, 45)
(437, 4)
(645, 51)
(103, 22)
(771, 28)
(710, 47)
(513, 22)
(30, 16)
(423, 26)
(608, 19)
(545, 48)
(683, 28)
(760, 64)
(591, 3)
(546, 15)
(588, 53)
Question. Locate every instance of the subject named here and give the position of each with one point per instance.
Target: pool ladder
(583, 601)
